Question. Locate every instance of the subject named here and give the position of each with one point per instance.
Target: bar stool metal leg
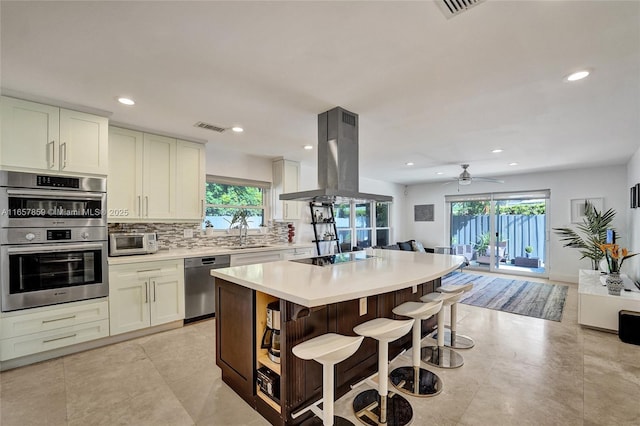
(441, 356)
(451, 338)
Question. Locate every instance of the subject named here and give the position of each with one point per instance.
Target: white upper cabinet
(286, 175)
(153, 177)
(83, 142)
(190, 176)
(37, 137)
(159, 177)
(124, 183)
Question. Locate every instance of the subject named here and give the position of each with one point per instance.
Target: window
(356, 219)
(225, 196)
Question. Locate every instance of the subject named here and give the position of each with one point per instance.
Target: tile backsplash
(171, 235)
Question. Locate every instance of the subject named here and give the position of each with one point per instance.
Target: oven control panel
(43, 235)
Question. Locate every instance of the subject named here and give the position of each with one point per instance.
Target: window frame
(372, 228)
(230, 181)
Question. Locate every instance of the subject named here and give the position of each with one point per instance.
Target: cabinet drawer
(251, 258)
(53, 339)
(21, 325)
(142, 270)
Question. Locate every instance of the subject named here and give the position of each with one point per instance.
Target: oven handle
(55, 248)
(56, 195)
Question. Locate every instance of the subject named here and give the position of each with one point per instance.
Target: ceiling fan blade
(484, 179)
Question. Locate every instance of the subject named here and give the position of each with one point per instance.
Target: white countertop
(592, 283)
(182, 253)
(311, 285)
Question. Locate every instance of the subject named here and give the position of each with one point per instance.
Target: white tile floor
(523, 371)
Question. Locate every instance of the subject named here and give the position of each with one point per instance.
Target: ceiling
(434, 91)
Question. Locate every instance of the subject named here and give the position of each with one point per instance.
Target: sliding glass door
(504, 232)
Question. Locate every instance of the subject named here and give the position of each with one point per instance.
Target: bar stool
(414, 380)
(373, 407)
(328, 349)
(451, 338)
(441, 356)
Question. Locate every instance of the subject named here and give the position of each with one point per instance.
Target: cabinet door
(190, 168)
(291, 178)
(84, 143)
(159, 177)
(167, 298)
(30, 133)
(128, 302)
(124, 194)
(286, 175)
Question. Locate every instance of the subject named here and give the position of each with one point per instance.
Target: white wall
(234, 164)
(632, 238)
(563, 263)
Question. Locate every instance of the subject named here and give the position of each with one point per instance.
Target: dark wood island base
(241, 321)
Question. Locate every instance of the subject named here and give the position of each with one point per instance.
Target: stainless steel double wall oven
(53, 239)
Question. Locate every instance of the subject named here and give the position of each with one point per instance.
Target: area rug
(528, 298)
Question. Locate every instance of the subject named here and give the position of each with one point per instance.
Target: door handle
(63, 155)
(51, 154)
(139, 205)
(146, 292)
(60, 338)
(202, 209)
(146, 199)
(154, 291)
(58, 319)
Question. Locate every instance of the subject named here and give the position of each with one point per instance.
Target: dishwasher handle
(221, 261)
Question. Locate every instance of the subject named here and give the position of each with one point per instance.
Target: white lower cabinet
(145, 294)
(41, 329)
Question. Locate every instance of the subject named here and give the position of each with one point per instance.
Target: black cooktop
(335, 259)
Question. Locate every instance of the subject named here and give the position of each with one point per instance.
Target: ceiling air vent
(452, 8)
(208, 126)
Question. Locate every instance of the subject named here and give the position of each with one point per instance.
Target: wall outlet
(188, 233)
(363, 306)
(414, 289)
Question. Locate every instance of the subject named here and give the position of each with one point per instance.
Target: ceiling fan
(465, 177)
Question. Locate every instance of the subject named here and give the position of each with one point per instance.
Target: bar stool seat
(328, 349)
(441, 356)
(451, 338)
(413, 379)
(373, 407)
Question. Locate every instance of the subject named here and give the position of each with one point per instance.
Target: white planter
(208, 231)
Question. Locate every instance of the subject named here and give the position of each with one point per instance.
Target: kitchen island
(313, 300)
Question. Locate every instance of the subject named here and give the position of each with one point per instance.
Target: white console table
(596, 308)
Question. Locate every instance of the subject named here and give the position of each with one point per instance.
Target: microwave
(130, 243)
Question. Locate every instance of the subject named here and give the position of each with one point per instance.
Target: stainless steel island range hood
(337, 161)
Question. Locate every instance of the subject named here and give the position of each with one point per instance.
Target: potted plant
(594, 233)
(328, 236)
(208, 227)
(528, 250)
(615, 257)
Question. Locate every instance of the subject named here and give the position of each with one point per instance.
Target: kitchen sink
(249, 247)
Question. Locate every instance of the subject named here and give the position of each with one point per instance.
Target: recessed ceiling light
(496, 151)
(578, 75)
(126, 101)
(308, 147)
(513, 164)
(409, 163)
(439, 173)
(237, 129)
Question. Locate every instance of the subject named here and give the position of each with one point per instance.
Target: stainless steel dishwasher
(199, 291)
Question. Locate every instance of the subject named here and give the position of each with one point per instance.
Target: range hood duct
(337, 162)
